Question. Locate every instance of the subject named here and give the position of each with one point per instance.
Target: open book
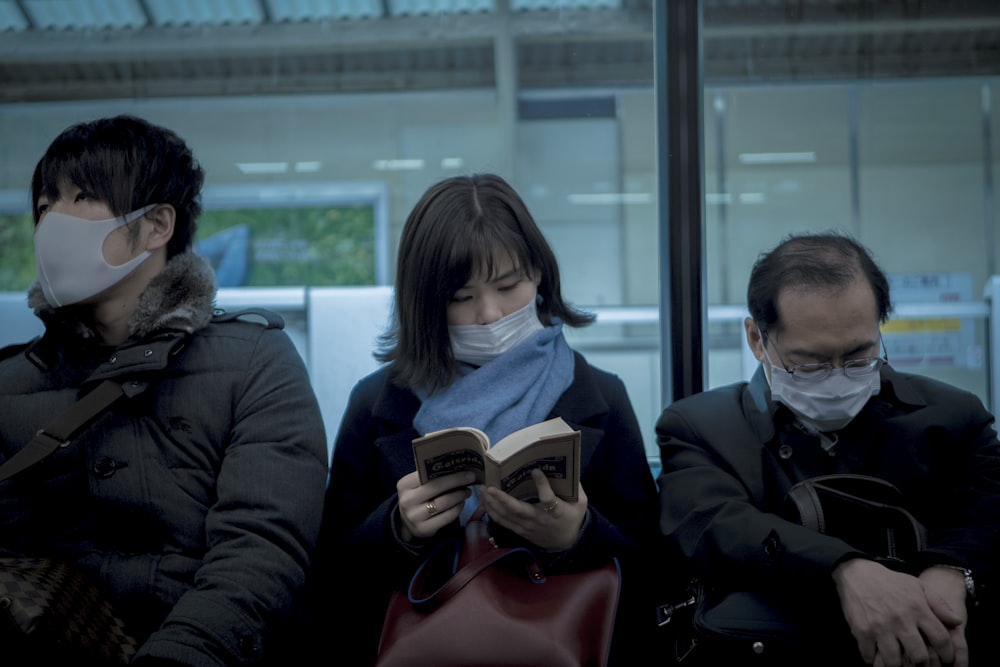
(551, 446)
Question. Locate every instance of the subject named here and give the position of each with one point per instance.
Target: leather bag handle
(809, 507)
(870, 494)
(486, 555)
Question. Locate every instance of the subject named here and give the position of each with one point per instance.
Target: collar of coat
(181, 298)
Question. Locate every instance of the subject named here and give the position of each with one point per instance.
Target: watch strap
(970, 582)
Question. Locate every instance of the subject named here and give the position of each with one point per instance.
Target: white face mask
(69, 255)
(478, 343)
(823, 405)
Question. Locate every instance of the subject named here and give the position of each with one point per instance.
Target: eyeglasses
(852, 367)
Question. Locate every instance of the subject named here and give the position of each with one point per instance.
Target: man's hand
(945, 592)
(892, 619)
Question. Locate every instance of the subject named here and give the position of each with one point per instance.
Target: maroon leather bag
(494, 606)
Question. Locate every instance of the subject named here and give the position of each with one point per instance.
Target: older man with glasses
(825, 400)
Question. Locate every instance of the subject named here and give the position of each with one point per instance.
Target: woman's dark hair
(127, 163)
(454, 233)
(813, 261)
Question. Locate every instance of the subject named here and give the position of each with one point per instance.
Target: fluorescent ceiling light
(452, 163)
(778, 158)
(398, 165)
(718, 198)
(308, 166)
(262, 167)
(606, 198)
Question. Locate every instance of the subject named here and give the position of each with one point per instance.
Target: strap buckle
(59, 442)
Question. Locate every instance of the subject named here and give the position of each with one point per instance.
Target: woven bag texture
(48, 601)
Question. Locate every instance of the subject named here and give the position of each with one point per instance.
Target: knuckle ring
(431, 507)
(551, 506)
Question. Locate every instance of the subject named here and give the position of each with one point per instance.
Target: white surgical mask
(479, 343)
(69, 255)
(823, 405)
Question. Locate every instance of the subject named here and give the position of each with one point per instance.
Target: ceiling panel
(433, 7)
(12, 19)
(82, 14)
(322, 10)
(205, 12)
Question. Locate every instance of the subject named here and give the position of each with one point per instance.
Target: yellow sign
(936, 325)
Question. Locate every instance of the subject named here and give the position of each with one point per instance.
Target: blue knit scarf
(517, 389)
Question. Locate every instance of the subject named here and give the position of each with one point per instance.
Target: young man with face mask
(194, 500)
(825, 400)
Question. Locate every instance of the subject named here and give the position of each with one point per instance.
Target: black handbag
(48, 610)
(770, 627)
(866, 512)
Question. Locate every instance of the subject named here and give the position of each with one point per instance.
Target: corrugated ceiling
(90, 49)
(133, 14)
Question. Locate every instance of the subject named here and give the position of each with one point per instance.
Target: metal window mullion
(680, 177)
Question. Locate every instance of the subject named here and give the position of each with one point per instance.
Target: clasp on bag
(665, 612)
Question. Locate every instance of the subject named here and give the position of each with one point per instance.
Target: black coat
(729, 456)
(360, 560)
(194, 501)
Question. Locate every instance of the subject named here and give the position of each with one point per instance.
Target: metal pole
(680, 174)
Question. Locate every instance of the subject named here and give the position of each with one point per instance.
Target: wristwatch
(970, 583)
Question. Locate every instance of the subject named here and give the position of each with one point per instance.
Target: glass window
(873, 120)
(17, 253)
(319, 128)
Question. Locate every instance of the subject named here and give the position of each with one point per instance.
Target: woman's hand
(426, 509)
(551, 523)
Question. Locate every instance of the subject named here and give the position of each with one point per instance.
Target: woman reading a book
(476, 340)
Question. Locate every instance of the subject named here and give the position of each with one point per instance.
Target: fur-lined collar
(181, 297)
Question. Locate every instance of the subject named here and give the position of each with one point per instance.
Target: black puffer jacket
(196, 501)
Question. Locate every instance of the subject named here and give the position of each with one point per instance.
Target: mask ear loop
(138, 214)
(127, 221)
(769, 367)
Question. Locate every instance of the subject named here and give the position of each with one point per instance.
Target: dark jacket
(729, 456)
(361, 560)
(195, 501)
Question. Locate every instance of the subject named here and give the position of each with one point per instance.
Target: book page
(527, 435)
(449, 451)
(558, 456)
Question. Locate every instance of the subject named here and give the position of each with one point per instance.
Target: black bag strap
(61, 431)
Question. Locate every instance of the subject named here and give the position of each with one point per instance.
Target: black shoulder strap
(12, 350)
(64, 428)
